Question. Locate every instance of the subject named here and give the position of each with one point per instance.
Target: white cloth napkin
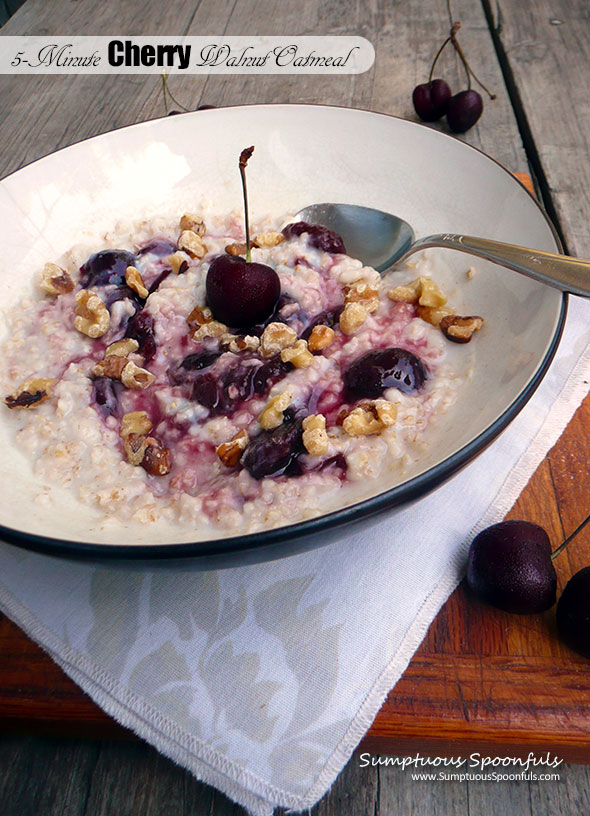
(261, 680)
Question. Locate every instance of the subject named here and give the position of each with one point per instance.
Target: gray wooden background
(535, 55)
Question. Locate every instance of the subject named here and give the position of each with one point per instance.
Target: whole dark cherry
(241, 294)
(510, 567)
(573, 613)
(318, 236)
(373, 372)
(463, 110)
(430, 99)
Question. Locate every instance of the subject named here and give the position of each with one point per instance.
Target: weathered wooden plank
(399, 793)
(355, 793)
(45, 776)
(546, 47)
(571, 795)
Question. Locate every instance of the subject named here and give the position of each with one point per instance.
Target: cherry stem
(168, 92)
(468, 69)
(450, 13)
(438, 53)
(244, 157)
(569, 538)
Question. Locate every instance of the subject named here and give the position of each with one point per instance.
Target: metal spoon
(383, 241)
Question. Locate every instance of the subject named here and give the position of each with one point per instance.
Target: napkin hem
(562, 410)
(119, 701)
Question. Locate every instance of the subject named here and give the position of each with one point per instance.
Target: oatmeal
(155, 396)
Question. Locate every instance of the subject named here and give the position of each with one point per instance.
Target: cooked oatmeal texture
(121, 385)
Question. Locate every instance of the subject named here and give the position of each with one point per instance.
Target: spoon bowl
(384, 241)
(375, 237)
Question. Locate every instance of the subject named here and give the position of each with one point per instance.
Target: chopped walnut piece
(408, 293)
(352, 317)
(362, 292)
(320, 338)
(275, 338)
(157, 460)
(272, 414)
(178, 262)
(430, 294)
(246, 342)
(199, 316)
(315, 437)
(370, 418)
(230, 452)
(135, 446)
(121, 348)
(236, 249)
(134, 281)
(56, 281)
(423, 291)
(112, 366)
(192, 244)
(92, 316)
(298, 355)
(194, 223)
(30, 392)
(137, 422)
(460, 329)
(268, 239)
(434, 314)
(211, 329)
(132, 376)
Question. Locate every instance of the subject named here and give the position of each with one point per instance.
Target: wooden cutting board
(482, 680)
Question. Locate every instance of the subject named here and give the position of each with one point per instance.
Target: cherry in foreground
(510, 567)
(573, 613)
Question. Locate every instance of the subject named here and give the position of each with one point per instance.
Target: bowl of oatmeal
(161, 400)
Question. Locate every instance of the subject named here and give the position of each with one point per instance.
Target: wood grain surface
(482, 680)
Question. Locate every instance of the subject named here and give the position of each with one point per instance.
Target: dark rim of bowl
(394, 497)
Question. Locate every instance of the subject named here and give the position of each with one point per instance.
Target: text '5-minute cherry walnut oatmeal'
(158, 390)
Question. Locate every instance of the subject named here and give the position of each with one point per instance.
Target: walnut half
(92, 316)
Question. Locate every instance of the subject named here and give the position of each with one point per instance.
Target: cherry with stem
(240, 292)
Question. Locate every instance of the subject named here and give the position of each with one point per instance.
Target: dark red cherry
(430, 99)
(141, 328)
(241, 294)
(463, 110)
(375, 371)
(573, 613)
(318, 236)
(273, 452)
(510, 567)
(106, 267)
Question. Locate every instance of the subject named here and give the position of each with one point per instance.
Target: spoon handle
(560, 271)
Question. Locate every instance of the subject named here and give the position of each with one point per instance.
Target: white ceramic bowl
(304, 154)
